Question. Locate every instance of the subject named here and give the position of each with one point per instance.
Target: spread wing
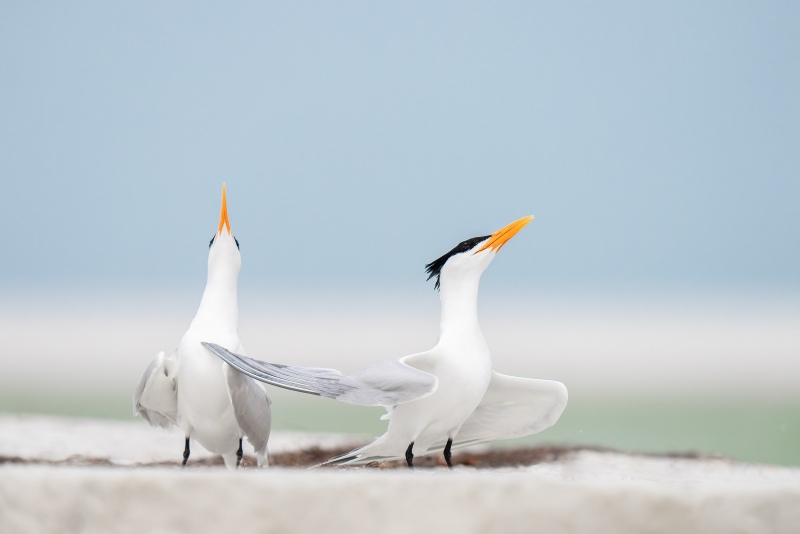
(155, 398)
(512, 407)
(386, 383)
(252, 407)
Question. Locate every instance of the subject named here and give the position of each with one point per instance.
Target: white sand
(587, 492)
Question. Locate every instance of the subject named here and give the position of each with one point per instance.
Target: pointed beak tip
(223, 214)
(502, 236)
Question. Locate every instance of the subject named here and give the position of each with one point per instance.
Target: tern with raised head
(446, 398)
(212, 403)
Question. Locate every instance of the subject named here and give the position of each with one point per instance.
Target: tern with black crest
(442, 399)
(211, 402)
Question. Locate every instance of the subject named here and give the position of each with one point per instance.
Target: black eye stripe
(237, 242)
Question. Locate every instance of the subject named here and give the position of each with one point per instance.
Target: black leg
(186, 452)
(410, 456)
(239, 453)
(447, 453)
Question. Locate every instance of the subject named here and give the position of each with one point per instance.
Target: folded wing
(155, 398)
(386, 383)
(512, 407)
(252, 408)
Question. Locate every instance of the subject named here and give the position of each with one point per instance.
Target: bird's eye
(237, 242)
(212, 241)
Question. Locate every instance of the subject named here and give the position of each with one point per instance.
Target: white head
(224, 259)
(468, 260)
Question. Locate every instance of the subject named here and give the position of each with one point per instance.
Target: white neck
(459, 298)
(219, 308)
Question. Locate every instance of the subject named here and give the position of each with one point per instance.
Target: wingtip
(211, 346)
(216, 350)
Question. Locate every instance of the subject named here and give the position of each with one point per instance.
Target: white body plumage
(445, 398)
(211, 402)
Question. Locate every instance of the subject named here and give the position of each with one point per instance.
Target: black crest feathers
(215, 236)
(434, 268)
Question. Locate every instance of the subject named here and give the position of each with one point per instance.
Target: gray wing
(252, 407)
(386, 383)
(155, 398)
(512, 407)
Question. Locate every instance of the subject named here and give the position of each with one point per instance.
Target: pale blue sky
(657, 145)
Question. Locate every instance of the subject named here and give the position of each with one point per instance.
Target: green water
(751, 430)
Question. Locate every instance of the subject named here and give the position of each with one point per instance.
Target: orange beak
(223, 214)
(500, 237)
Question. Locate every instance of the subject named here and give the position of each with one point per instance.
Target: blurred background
(657, 146)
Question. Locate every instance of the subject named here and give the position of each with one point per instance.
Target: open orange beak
(223, 214)
(500, 237)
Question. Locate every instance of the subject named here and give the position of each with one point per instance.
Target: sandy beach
(83, 475)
